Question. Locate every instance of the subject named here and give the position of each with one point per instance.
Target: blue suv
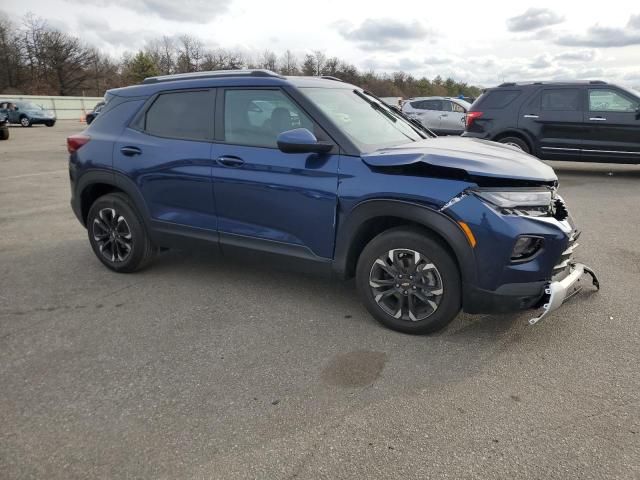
(322, 173)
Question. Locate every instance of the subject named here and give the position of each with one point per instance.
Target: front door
(266, 199)
(614, 126)
(168, 156)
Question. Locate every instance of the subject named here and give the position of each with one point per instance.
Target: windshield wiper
(403, 115)
(376, 106)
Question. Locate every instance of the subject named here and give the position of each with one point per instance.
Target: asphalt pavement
(202, 368)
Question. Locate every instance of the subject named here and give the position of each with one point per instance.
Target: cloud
(605, 37)
(577, 56)
(384, 34)
(437, 61)
(533, 19)
(102, 32)
(404, 64)
(195, 11)
(541, 62)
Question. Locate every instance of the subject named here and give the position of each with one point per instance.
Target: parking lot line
(32, 174)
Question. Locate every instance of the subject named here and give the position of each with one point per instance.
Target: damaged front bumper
(557, 292)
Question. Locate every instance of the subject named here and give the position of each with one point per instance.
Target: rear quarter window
(497, 99)
(184, 115)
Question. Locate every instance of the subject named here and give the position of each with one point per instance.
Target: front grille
(564, 262)
(559, 209)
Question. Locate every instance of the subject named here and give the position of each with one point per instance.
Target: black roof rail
(329, 77)
(507, 84)
(211, 74)
(598, 82)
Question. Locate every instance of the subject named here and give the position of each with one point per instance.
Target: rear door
(613, 126)
(554, 117)
(430, 113)
(167, 153)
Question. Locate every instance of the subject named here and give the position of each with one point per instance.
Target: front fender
(351, 226)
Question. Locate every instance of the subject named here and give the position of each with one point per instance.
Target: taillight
(471, 117)
(74, 142)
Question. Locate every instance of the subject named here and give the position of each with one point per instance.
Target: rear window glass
(185, 115)
(561, 99)
(498, 98)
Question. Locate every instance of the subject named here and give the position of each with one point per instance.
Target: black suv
(590, 121)
(4, 126)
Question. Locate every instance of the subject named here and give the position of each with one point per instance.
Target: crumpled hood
(475, 156)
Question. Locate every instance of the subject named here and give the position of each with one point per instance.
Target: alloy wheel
(406, 285)
(24, 121)
(513, 144)
(112, 234)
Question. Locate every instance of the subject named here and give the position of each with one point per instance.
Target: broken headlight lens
(516, 198)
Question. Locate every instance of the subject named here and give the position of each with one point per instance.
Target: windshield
(632, 91)
(30, 106)
(367, 122)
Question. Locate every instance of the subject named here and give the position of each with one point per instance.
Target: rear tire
(408, 281)
(516, 142)
(25, 121)
(117, 234)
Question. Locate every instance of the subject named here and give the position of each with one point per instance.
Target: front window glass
(257, 117)
(604, 100)
(367, 122)
(457, 108)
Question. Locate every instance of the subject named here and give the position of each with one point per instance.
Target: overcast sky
(482, 43)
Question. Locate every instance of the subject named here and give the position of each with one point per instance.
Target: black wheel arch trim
(351, 224)
(118, 181)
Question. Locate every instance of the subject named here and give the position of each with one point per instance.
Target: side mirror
(301, 140)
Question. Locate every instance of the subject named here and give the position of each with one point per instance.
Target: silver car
(443, 115)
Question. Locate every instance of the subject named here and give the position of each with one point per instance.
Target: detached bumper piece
(556, 293)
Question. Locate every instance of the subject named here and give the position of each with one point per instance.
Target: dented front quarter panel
(496, 235)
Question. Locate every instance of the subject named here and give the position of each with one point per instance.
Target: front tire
(117, 234)
(408, 281)
(50, 123)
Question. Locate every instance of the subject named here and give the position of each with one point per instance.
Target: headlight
(516, 198)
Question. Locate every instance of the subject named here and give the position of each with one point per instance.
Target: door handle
(598, 119)
(233, 162)
(130, 151)
(531, 116)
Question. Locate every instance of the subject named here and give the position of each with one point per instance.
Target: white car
(443, 115)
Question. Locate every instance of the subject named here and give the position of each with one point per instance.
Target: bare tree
(190, 53)
(38, 59)
(320, 59)
(269, 60)
(288, 64)
(68, 61)
(163, 52)
(331, 67)
(11, 61)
